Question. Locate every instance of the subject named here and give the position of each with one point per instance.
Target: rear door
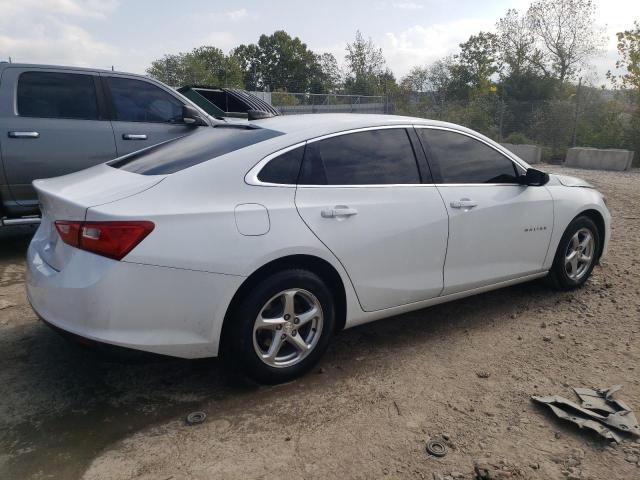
(143, 113)
(361, 194)
(56, 126)
(498, 229)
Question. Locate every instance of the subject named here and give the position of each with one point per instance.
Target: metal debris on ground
(598, 411)
(196, 417)
(437, 448)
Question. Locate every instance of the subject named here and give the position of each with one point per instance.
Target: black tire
(558, 275)
(238, 343)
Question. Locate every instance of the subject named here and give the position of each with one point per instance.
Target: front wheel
(576, 255)
(282, 327)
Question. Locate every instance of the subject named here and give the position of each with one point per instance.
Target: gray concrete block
(599, 159)
(529, 153)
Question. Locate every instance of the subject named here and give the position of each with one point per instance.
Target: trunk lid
(68, 198)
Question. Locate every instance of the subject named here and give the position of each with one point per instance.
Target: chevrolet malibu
(258, 242)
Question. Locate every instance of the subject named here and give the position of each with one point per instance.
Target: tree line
(523, 78)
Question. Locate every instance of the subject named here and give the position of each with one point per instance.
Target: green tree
(367, 73)
(516, 44)
(629, 81)
(331, 74)
(478, 61)
(566, 31)
(248, 57)
(280, 62)
(203, 65)
(168, 69)
(629, 61)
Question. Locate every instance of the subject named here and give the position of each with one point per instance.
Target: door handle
(24, 134)
(134, 136)
(464, 203)
(338, 211)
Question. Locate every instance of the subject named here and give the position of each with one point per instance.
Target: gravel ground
(464, 370)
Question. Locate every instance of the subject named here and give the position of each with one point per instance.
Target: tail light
(109, 239)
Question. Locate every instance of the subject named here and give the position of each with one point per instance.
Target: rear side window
(57, 95)
(372, 157)
(139, 101)
(462, 159)
(283, 169)
(184, 152)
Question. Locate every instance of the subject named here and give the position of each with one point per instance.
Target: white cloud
(236, 15)
(225, 41)
(419, 45)
(407, 5)
(74, 8)
(44, 32)
(55, 42)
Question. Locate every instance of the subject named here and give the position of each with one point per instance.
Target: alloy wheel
(288, 328)
(579, 254)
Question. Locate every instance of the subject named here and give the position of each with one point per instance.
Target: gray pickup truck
(57, 120)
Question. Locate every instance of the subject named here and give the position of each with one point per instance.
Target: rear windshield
(185, 152)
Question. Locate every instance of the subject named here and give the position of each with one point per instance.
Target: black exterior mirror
(191, 116)
(534, 178)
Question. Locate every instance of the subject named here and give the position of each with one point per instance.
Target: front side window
(283, 169)
(140, 101)
(372, 157)
(462, 159)
(57, 95)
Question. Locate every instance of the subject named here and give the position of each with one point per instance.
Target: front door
(498, 229)
(56, 128)
(361, 194)
(144, 114)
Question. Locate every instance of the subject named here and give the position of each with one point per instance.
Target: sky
(129, 34)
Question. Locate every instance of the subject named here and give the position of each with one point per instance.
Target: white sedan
(258, 242)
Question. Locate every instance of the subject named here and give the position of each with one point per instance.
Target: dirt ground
(380, 392)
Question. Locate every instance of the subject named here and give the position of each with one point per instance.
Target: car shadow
(14, 241)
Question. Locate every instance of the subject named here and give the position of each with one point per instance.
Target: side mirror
(192, 117)
(534, 178)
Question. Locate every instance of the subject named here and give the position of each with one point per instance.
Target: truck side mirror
(192, 117)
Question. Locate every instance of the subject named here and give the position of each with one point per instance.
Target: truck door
(55, 125)
(143, 113)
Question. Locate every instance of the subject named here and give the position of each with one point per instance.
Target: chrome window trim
(502, 151)
(358, 130)
(480, 185)
(251, 178)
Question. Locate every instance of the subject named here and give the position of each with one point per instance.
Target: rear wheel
(282, 327)
(576, 255)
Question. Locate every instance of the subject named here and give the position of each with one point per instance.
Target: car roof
(313, 125)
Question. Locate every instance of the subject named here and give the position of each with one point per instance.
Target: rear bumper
(156, 309)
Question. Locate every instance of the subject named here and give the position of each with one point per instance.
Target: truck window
(140, 101)
(57, 95)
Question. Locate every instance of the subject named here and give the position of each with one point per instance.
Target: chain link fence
(296, 103)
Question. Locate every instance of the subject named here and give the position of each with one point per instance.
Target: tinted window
(57, 95)
(139, 101)
(365, 158)
(284, 168)
(462, 159)
(185, 152)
